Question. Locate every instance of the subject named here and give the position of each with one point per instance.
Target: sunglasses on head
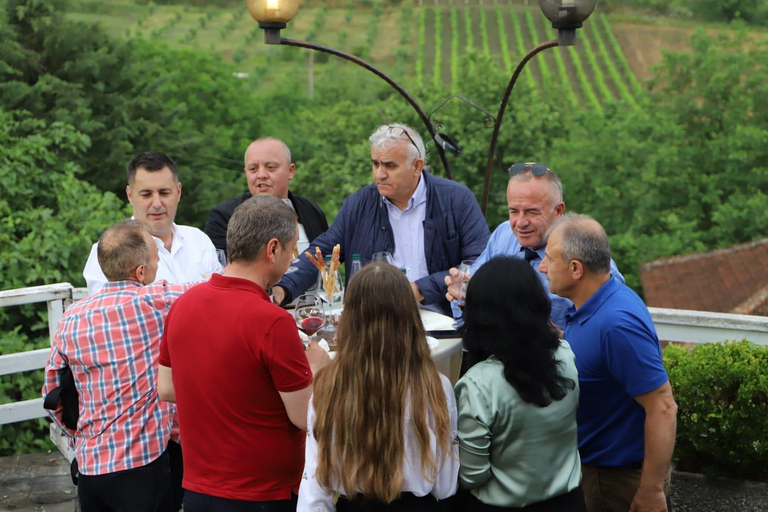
(536, 169)
(399, 130)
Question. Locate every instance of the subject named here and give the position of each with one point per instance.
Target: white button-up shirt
(192, 258)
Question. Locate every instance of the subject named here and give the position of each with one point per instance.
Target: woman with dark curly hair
(517, 405)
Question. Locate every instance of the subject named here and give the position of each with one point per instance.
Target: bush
(721, 391)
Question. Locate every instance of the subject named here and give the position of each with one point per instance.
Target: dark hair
(151, 161)
(121, 249)
(254, 223)
(507, 316)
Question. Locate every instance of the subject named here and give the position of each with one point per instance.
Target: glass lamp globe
(566, 16)
(272, 11)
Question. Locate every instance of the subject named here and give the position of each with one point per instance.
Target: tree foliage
(689, 170)
(50, 217)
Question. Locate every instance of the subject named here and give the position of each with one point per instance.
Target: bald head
(278, 144)
(582, 238)
(122, 248)
(268, 167)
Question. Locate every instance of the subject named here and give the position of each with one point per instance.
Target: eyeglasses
(536, 169)
(403, 131)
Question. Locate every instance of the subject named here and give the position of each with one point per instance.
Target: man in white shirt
(154, 191)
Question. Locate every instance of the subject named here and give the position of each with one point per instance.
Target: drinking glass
(461, 280)
(329, 286)
(222, 256)
(309, 314)
(383, 256)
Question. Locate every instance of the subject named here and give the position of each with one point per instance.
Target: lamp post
(566, 16)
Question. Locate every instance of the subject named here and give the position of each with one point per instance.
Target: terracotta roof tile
(724, 280)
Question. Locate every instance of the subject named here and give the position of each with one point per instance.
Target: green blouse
(514, 453)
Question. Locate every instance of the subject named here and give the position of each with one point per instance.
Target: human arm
(216, 226)
(297, 282)
(165, 388)
(615, 273)
(56, 362)
(312, 496)
(468, 231)
(660, 428)
(474, 434)
(94, 277)
(296, 403)
(447, 482)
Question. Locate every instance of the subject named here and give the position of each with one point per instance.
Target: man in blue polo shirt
(627, 415)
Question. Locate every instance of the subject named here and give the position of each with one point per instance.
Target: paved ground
(41, 483)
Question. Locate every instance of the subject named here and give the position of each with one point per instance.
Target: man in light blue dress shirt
(535, 201)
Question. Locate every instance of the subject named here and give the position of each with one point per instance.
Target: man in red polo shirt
(234, 364)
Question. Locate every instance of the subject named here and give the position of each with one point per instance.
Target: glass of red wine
(309, 314)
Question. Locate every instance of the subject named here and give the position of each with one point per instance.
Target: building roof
(731, 280)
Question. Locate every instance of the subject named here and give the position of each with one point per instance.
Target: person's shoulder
(230, 204)
(364, 196)
(191, 233)
(447, 185)
(484, 373)
(303, 200)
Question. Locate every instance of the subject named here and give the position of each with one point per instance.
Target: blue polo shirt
(618, 356)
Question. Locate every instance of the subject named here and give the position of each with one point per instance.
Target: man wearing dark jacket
(268, 170)
(428, 224)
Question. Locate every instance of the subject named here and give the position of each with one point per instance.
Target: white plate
(433, 343)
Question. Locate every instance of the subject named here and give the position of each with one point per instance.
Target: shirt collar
(594, 303)
(222, 281)
(419, 196)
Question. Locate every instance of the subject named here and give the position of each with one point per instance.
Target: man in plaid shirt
(111, 343)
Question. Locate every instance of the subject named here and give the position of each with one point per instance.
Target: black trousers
(570, 502)
(197, 502)
(177, 474)
(407, 502)
(144, 489)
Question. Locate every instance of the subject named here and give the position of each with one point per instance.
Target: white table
(448, 354)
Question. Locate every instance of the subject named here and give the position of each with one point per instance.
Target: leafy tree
(686, 172)
(129, 97)
(50, 218)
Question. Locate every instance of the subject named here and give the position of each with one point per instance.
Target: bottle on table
(356, 265)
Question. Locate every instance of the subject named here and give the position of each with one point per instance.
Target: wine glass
(383, 256)
(461, 280)
(309, 314)
(329, 286)
(222, 257)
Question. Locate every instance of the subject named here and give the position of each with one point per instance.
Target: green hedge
(721, 391)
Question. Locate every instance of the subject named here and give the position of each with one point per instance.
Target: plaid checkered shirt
(111, 342)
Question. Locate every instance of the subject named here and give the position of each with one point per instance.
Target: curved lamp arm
(386, 78)
(500, 116)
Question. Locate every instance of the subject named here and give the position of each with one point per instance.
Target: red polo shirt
(231, 350)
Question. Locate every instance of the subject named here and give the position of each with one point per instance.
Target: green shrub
(721, 391)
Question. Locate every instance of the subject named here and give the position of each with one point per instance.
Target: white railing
(58, 297)
(671, 324)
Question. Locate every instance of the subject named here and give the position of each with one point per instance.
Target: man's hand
(278, 294)
(416, 292)
(649, 501)
(452, 293)
(317, 356)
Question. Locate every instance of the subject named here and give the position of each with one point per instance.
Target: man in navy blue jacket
(428, 224)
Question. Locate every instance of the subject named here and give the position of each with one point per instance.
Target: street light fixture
(566, 16)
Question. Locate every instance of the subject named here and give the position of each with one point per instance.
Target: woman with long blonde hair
(382, 420)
